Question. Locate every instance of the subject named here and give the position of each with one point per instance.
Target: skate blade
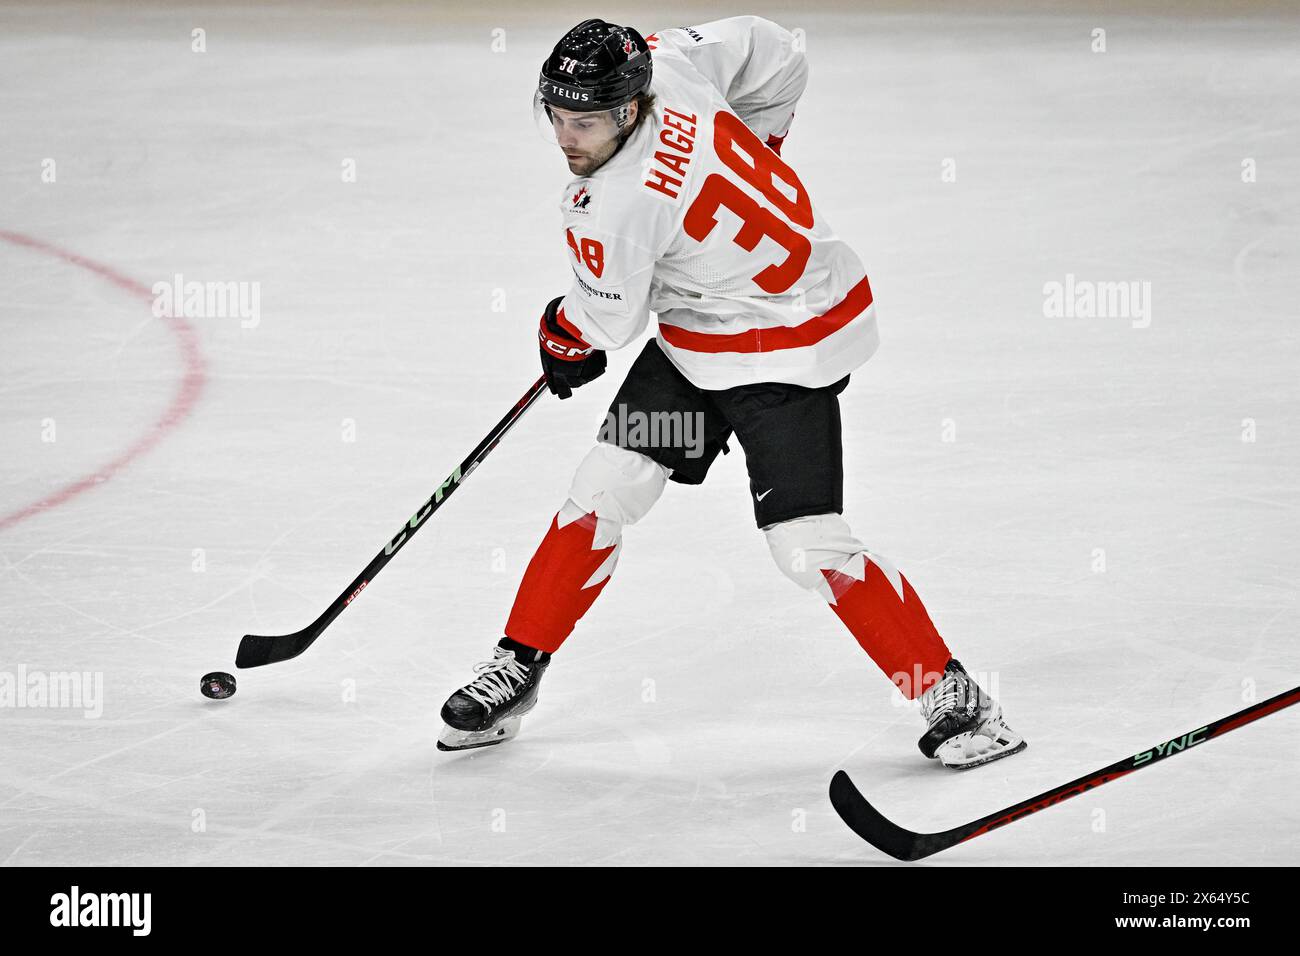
(988, 757)
(962, 752)
(452, 739)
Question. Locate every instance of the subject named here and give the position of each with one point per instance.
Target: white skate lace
(498, 679)
(942, 699)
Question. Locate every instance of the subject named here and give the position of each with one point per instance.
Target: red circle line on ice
(182, 403)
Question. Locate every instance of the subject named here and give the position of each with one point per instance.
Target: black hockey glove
(567, 361)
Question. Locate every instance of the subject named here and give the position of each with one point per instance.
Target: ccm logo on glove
(567, 361)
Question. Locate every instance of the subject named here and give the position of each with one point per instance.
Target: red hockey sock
(888, 619)
(563, 579)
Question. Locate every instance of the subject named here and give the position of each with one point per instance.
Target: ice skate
(965, 725)
(490, 709)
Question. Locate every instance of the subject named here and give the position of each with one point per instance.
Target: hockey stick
(258, 649)
(867, 822)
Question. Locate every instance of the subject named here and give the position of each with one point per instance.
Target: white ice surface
(699, 711)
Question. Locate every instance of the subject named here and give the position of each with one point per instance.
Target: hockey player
(682, 205)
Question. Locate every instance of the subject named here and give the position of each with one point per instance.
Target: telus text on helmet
(569, 94)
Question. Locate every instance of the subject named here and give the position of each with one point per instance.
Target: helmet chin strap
(623, 134)
(623, 137)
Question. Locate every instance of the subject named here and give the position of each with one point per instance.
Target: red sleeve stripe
(773, 339)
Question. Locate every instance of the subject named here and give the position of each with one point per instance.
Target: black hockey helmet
(595, 66)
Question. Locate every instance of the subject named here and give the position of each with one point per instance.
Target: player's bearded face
(586, 139)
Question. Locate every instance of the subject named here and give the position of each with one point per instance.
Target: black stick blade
(867, 822)
(258, 649)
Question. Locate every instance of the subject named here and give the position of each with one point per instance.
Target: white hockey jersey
(697, 219)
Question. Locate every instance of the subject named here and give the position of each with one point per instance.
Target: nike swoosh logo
(763, 495)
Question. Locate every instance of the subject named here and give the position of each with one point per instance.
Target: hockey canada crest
(580, 201)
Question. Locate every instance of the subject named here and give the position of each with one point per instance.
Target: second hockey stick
(870, 824)
(258, 649)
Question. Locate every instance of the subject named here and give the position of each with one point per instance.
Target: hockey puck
(218, 685)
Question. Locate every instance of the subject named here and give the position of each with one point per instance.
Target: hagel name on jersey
(667, 172)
